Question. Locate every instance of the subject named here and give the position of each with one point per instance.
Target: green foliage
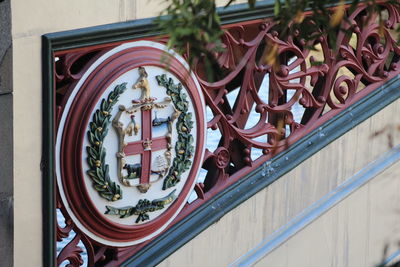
(194, 25)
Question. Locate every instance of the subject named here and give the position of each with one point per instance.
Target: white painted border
(318, 208)
(61, 129)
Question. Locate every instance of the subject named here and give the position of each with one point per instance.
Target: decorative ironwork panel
(156, 115)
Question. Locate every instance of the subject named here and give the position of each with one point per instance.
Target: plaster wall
(362, 230)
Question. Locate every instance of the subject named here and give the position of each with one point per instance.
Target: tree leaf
(277, 7)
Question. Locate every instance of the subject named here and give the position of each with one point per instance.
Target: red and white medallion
(130, 143)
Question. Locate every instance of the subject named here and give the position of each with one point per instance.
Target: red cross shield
(147, 144)
(145, 147)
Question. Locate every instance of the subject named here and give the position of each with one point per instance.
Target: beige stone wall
(362, 230)
(256, 219)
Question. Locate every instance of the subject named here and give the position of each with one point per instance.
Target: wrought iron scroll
(323, 83)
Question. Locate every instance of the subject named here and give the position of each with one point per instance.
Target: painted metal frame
(225, 199)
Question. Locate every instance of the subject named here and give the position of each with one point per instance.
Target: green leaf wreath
(98, 129)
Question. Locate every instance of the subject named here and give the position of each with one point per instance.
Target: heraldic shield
(130, 143)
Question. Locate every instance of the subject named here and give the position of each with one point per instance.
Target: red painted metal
(357, 66)
(137, 147)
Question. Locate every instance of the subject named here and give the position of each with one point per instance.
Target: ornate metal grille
(321, 83)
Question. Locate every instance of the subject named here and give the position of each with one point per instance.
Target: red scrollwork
(323, 84)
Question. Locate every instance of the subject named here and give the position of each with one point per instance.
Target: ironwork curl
(325, 83)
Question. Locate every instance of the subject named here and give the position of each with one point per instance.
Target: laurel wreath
(183, 147)
(98, 129)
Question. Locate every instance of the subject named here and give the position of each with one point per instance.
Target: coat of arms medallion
(130, 143)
